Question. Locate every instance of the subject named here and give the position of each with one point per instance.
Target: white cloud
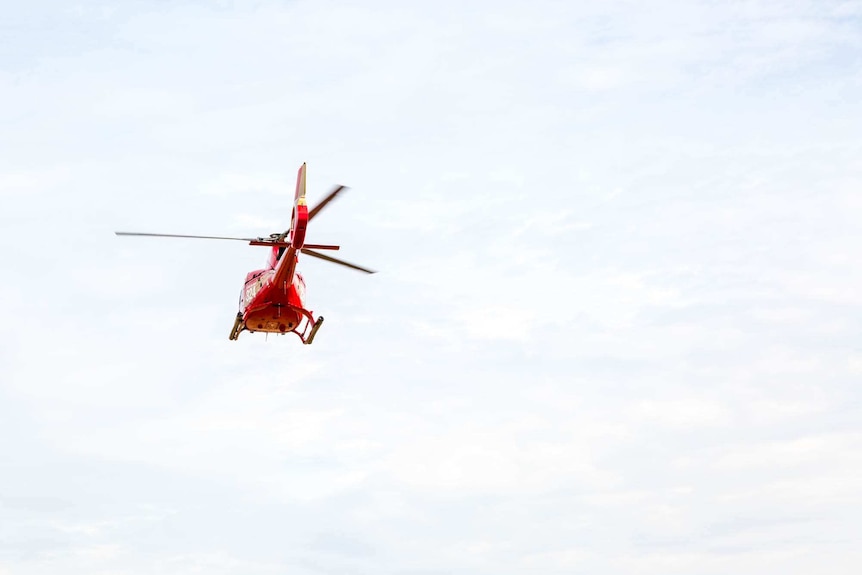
(683, 413)
(476, 461)
(837, 447)
(498, 322)
(614, 327)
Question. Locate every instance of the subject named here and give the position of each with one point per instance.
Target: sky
(615, 328)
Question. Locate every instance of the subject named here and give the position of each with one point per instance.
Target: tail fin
(300, 211)
(300, 183)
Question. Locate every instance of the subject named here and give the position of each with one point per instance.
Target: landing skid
(237, 327)
(309, 329)
(314, 328)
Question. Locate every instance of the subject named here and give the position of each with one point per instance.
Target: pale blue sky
(615, 328)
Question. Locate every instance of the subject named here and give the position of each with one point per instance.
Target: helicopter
(273, 298)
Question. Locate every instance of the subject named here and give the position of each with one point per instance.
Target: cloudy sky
(616, 327)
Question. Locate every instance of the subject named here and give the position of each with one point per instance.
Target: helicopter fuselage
(268, 307)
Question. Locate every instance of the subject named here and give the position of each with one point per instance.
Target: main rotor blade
(313, 211)
(184, 236)
(321, 247)
(315, 254)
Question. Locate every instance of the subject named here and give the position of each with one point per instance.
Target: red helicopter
(273, 298)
